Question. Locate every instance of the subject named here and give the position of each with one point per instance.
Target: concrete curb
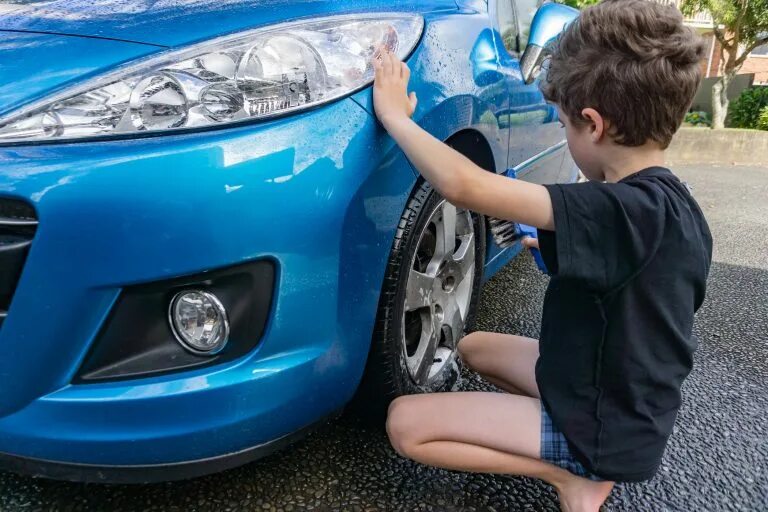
(724, 147)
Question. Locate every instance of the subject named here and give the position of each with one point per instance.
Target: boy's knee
(469, 346)
(400, 427)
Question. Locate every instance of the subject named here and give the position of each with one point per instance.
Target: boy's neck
(624, 161)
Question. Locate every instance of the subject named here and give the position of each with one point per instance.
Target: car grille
(18, 224)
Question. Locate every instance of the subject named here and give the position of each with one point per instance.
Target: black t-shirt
(629, 263)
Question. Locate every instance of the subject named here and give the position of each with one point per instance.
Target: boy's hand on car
(390, 89)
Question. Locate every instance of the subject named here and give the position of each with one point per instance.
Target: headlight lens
(252, 75)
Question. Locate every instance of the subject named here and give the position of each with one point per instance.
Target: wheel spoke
(425, 354)
(465, 256)
(454, 320)
(446, 231)
(418, 291)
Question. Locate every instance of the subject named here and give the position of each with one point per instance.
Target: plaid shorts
(555, 450)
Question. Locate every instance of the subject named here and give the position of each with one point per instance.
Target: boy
(629, 251)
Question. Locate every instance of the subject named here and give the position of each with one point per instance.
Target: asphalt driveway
(717, 459)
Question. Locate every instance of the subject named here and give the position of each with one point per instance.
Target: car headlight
(251, 75)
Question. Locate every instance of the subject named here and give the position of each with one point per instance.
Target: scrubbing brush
(507, 233)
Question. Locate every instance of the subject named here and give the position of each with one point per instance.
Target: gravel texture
(716, 460)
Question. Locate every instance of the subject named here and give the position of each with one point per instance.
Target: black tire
(386, 375)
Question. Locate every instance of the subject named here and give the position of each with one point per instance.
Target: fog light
(199, 321)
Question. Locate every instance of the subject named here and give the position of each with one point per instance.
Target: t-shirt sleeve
(604, 232)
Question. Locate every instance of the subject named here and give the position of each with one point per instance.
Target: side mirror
(547, 24)
(484, 59)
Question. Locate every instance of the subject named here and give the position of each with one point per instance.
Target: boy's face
(584, 149)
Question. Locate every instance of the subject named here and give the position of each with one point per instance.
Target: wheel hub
(438, 291)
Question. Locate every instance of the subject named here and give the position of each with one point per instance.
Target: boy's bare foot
(582, 495)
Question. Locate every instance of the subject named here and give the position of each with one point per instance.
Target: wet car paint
(177, 22)
(43, 63)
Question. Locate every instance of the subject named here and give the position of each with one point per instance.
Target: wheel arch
(473, 144)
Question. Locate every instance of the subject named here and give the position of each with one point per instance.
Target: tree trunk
(727, 70)
(720, 101)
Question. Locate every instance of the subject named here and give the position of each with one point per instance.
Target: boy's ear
(595, 124)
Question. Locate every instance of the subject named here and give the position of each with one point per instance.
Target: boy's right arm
(457, 178)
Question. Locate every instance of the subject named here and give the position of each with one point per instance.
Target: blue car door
(536, 138)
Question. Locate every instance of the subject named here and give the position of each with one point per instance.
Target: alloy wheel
(438, 291)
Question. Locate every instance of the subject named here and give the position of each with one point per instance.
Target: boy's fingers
(414, 101)
(396, 70)
(386, 63)
(378, 54)
(377, 68)
(530, 243)
(405, 71)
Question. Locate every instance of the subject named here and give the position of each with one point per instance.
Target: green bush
(697, 119)
(762, 122)
(746, 111)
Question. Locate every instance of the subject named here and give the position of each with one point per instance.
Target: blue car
(208, 244)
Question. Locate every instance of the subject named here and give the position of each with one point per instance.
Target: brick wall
(756, 65)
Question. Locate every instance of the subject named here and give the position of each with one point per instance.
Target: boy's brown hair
(631, 60)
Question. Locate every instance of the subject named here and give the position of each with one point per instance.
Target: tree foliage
(762, 121)
(743, 23)
(579, 4)
(747, 109)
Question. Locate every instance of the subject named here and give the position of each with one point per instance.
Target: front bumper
(309, 192)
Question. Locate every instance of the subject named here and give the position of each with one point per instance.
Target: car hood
(178, 22)
(34, 64)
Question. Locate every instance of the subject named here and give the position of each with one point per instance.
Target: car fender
(452, 73)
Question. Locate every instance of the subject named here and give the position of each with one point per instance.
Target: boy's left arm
(457, 178)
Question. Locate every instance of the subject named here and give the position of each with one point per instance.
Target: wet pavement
(717, 459)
